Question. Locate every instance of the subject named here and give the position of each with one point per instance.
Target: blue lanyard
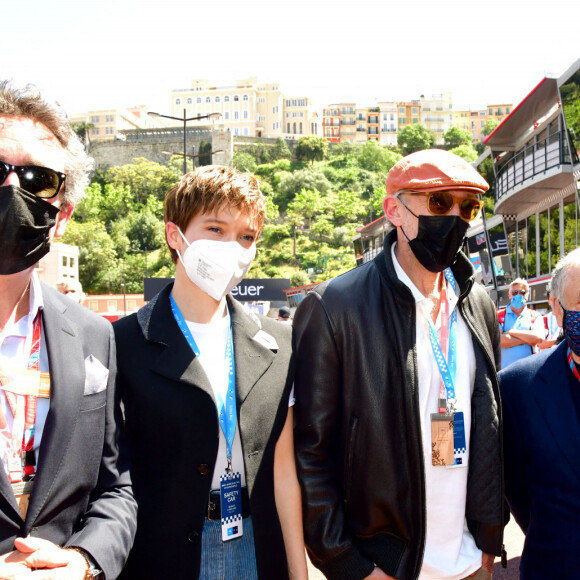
(226, 409)
(448, 369)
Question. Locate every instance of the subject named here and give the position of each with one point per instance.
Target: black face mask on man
(25, 223)
(438, 240)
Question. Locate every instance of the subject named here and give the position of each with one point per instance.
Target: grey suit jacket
(82, 493)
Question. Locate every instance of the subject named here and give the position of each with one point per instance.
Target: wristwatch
(93, 572)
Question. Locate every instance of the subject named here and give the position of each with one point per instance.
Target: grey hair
(521, 282)
(28, 102)
(559, 273)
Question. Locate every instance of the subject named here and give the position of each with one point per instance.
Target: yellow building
(247, 108)
(300, 118)
(409, 113)
(106, 124)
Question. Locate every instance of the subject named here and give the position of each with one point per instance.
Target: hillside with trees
(316, 198)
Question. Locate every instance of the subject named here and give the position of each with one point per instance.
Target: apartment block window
(287, 127)
(94, 305)
(208, 99)
(415, 120)
(491, 111)
(198, 100)
(71, 262)
(236, 131)
(507, 110)
(401, 120)
(300, 128)
(110, 119)
(217, 99)
(236, 115)
(64, 261)
(402, 110)
(287, 102)
(246, 98)
(112, 305)
(226, 99)
(246, 131)
(95, 131)
(245, 114)
(415, 111)
(236, 98)
(178, 101)
(227, 115)
(95, 119)
(189, 101)
(110, 130)
(132, 304)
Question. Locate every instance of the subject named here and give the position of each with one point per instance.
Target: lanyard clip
(229, 465)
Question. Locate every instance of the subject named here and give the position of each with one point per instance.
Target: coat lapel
(254, 350)
(553, 396)
(67, 378)
(177, 361)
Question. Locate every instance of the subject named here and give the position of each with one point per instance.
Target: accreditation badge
(442, 442)
(231, 504)
(459, 445)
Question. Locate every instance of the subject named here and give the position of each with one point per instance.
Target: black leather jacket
(358, 432)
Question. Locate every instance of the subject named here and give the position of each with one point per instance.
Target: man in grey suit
(66, 504)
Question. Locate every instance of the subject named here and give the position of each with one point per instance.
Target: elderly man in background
(521, 327)
(398, 432)
(65, 496)
(541, 400)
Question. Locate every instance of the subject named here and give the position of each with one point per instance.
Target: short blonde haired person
(207, 392)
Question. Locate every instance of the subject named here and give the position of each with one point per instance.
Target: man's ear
(65, 213)
(558, 312)
(172, 236)
(392, 210)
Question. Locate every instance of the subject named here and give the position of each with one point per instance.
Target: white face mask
(216, 267)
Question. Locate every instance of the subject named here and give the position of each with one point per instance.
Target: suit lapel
(553, 396)
(254, 350)
(67, 377)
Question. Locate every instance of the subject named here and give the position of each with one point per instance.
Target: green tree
(455, 136)
(98, 264)
(415, 138)
(280, 150)
(345, 153)
(489, 126)
(144, 178)
(82, 130)
(311, 148)
(374, 157)
(292, 183)
(465, 151)
(299, 278)
(205, 150)
(307, 203)
(244, 161)
(348, 207)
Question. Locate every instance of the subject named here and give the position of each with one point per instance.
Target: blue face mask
(518, 301)
(571, 327)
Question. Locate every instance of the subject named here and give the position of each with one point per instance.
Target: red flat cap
(434, 170)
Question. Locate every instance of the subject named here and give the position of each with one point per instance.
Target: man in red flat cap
(398, 434)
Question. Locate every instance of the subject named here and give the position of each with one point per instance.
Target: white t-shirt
(211, 340)
(450, 551)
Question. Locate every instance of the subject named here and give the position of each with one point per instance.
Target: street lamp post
(185, 121)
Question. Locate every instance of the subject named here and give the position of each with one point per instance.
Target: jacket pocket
(349, 462)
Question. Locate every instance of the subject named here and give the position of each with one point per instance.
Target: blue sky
(128, 52)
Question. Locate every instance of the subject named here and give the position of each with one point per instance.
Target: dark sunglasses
(40, 181)
(522, 292)
(442, 202)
